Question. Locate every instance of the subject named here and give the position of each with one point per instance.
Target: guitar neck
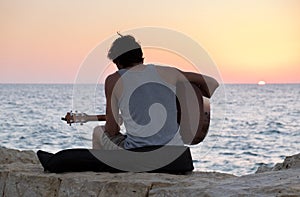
(95, 118)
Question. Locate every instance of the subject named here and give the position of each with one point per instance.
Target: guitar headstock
(76, 117)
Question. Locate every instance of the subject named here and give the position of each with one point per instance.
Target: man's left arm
(112, 111)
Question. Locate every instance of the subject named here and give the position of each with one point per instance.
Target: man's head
(125, 52)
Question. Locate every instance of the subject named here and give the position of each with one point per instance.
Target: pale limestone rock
(289, 162)
(280, 183)
(78, 186)
(21, 176)
(11, 155)
(21, 167)
(130, 188)
(3, 178)
(31, 184)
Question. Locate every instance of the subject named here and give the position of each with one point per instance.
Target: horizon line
(51, 83)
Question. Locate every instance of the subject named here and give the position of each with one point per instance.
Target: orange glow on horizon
(46, 41)
(168, 58)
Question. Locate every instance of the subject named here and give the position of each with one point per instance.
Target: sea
(251, 125)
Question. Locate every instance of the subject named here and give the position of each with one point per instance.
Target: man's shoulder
(170, 70)
(165, 67)
(112, 79)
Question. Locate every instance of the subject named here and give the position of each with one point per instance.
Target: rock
(31, 184)
(8, 156)
(281, 183)
(21, 175)
(289, 162)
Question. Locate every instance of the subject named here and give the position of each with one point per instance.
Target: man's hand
(212, 84)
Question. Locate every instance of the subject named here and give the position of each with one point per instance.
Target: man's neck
(131, 66)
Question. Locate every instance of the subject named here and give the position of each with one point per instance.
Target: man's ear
(118, 65)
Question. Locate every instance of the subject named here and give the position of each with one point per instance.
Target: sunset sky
(249, 40)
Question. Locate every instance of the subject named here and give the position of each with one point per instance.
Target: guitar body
(192, 116)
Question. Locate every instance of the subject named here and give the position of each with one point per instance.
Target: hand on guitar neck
(81, 118)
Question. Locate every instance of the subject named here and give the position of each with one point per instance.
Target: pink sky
(46, 41)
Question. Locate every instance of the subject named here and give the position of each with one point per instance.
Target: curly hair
(125, 51)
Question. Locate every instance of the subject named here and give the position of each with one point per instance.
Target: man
(146, 97)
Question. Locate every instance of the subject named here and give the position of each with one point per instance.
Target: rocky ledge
(22, 175)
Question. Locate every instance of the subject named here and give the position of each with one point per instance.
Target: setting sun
(261, 83)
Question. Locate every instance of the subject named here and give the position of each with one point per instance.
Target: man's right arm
(172, 75)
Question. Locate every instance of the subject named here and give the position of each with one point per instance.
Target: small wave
(294, 113)
(19, 125)
(251, 124)
(275, 124)
(250, 153)
(270, 132)
(227, 153)
(259, 164)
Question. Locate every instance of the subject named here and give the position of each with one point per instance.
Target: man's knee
(97, 137)
(98, 132)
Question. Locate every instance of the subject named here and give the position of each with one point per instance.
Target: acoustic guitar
(193, 117)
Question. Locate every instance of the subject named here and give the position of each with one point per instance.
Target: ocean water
(250, 125)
